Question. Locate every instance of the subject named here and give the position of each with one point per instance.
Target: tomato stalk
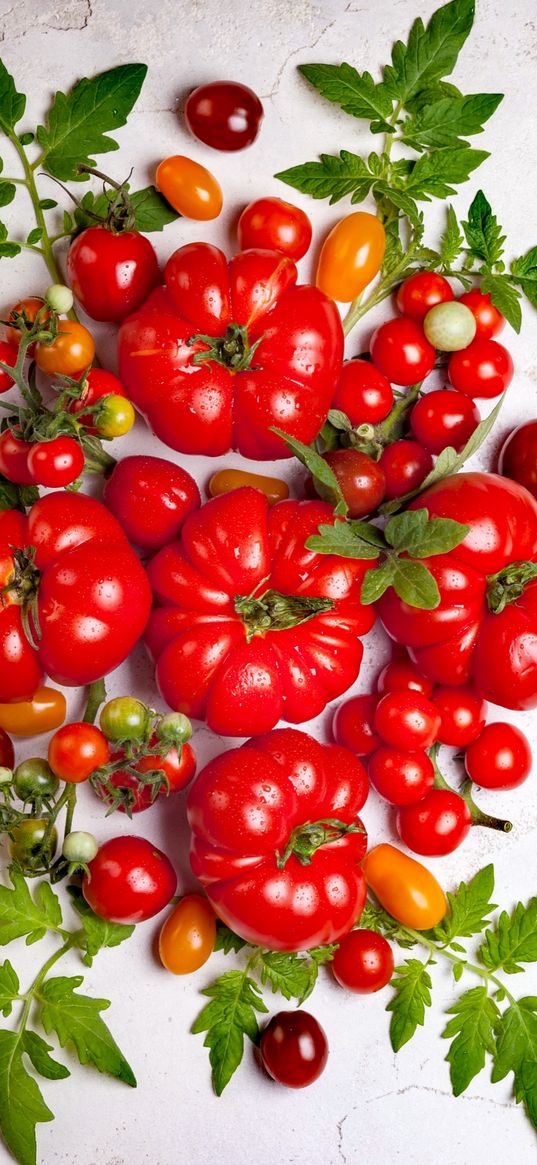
(272, 611)
(477, 814)
(232, 350)
(306, 839)
(372, 439)
(509, 584)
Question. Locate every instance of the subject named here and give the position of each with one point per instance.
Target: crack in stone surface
(300, 49)
(439, 1092)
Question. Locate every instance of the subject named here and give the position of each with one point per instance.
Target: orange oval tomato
(351, 256)
(45, 712)
(191, 189)
(188, 936)
(405, 888)
(226, 480)
(70, 352)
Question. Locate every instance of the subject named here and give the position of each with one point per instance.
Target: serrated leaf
(20, 914)
(9, 987)
(412, 984)
(483, 232)
(423, 537)
(414, 584)
(516, 1051)
(398, 198)
(437, 173)
(512, 940)
(76, 1021)
(78, 123)
(341, 539)
(451, 240)
(524, 271)
(21, 1104)
(377, 919)
(474, 1018)
(12, 104)
(98, 932)
(445, 122)
(320, 470)
(333, 177)
(9, 250)
(468, 908)
(375, 582)
(7, 193)
(230, 1015)
(226, 940)
(38, 1052)
(152, 212)
(431, 94)
(356, 93)
(293, 976)
(505, 297)
(431, 52)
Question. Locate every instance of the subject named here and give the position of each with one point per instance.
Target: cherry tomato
(46, 711)
(124, 718)
(28, 309)
(489, 321)
(449, 326)
(76, 750)
(32, 845)
(420, 292)
(57, 462)
(80, 847)
(405, 888)
(360, 478)
(402, 676)
(401, 777)
(129, 880)
(151, 497)
(363, 962)
(463, 715)
(115, 417)
(226, 480)
(97, 383)
(71, 351)
(8, 355)
(7, 752)
(351, 256)
(363, 393)
(14, 458)
(484, 369)
(178, 770)
(33, 779)
(407, 720)
(353, 725)
(436, 825)
(111, 272)
(224, 115)
(402, 352)
(275, 225)
(191, 189)
(405, 465)
(188, 935)
(294, 1048)
(443, 418)
(500, 758)
(518, 456)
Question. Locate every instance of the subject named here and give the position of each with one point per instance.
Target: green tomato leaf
(356, 93)
(406, 528)
(475, 1016)
(483, 232)
(468, 908)
(524, 272)
(431, 52)
(20, 914)
(35, 236)
(512, 940)
(7, 193)
(445, 122)
(394, 196)
(452, 240)
(12, 104)
(341, 539)
(76, 1021)
(424, 537)
(412, 984)
(21, 1104)
(437, 173)
(377, 919)
(98, 932)
(325, 479)
(432, 94)
(230, 1015)
(376, 582)
(414, 584)
(293, 976)
(38, 1052)
(333, 177)
(9, 987)
(516, 1051)
(152, 212)
(505, 297)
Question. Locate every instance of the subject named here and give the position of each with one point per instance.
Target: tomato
(443, 418)
(226, 480)
(177, 769)
(46, 711)
(250, 626)
(191, 189)
(150, 497)
(518, 456)
(76, 750)
(353, 725)
(265, 845)
(34, 780)
(224, 115)
(276, 225)
(294, 1048)
(361, 480)
(363, 393)
(463, 715)
(489, 321)
(7, 752)
(405, 888)
(79, 847)
(125, 718)
(484, 369)
(405, 465)
(208, 397)
(435, 825)
(81, 580)
(96, 384)
(420, 292)
(188, 935)
(57, 462)
(14, 457)
(71, 351)
(115, 417)
(8, 355)
(129, 880)
(500, 758)
(407, 720)
(402, 352)
(401, 777)
(60, 298)
(28, 309)
(449, 326)
(351, 256)
(363, 962)
(32, 845)
(401, 676)
(111, 272)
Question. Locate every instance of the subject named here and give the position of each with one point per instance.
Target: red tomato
(202, 400)
(151, 497)
(405, 465)
(76, 750)
(224, 115)
(294, 1048)
(463, 715)
(28, 309)
(400, 676)
(111, 273)
(488, 319)
(57, 462)
(402, 778)
(67, 355)
(256, 813)
(276, 225)
(407, 720)
(361, 480)
(363, 962)
(518, 456)
(351, 256)
(252, 627)
(363, 393)
(8, 355)
(353, 725)
(483, 369)
(7, 752)
(129, 880)
(178, 771)
(97, 384)
(443, 418)
(500, 758)
(436, 825)
(14, 458)
(422, 291)
(401, 351)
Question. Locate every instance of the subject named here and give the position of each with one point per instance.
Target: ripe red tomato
(224, 115)
(188, 935)
(351, 256)
(129, 880)
(151, 497)
(179, 772)
(111, 273)
(361, 480)
(402, 676)
(463, 713)
(402, 778)
(402, 352)
(363, 962)
(8, 355)
(98, 383)
(489, 321)
(500, 758)
(436, 825)
(275, 225)
(71, 351)
(189, 187)
(14, 458)
(483, 369)
(422, 291)
(407, 720)
(294, 1048)
(518, 456)
(405, 465)
(76, 750)
(353, 725)
(363, 393)
(7, 752)
(57, 462)
(443, 418)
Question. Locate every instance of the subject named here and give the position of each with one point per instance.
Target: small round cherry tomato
(360, 479)
(191, 189)
(436, 825)
(7, 752)
(45, 712)
(363, 393)
(275, 225)
(420, 292)
(60, 298)
(28, 310)
(402, 352)
(76, 750)
(14, 458)
(500, 758)
(407, 720)
(353, 725)
(8, 355)
(129, 880)
(173, 728)
(405, 464)
(57, 462)
(401, 777)
(178, 771)
(111, 272)
(484, 369)
(294, 1048)
(151, 497)
(351, 256)
(443, 418)
(489, 321)
(80, 847)
(71, 351)
(34, 780)
(32, 844)
(224, 115)
(124, 718)
(114, 417)
(449, 326)
(97, 383)
(463, 715)
(188, 935)
(226, 480)
(518, 456)
(363, 962)
(405, 888)
(402, 676)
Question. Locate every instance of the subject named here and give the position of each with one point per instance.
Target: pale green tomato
(450, 326)
(6, 775)
(174, 728)
(79, 847)
(59, 298)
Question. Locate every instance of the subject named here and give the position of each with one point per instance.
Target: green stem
(385, 429)
(71, 806)
(475, 969)
(30, 995)
(96, 697)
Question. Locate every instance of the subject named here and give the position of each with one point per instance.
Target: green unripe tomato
(450, 326)
(125, 718)
(6, 775)
(59, 298)
(33, 780)
(115, 417)
(174, 728)
(27, 844)
(80, 847)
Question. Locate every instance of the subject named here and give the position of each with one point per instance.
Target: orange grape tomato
(191, 189)
(405, 888)
(44, 713)
(351, 256)
(188, 935)
(226, 480)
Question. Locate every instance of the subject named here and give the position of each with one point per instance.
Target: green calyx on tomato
(509, 584)
(272, 611)
(306, 839)
(232, 350)
(23, 587)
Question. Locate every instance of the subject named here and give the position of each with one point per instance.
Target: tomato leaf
(342, 539)
(332, 177)
(356, 93)
(524, 272)
(376, 582)
(7, 193)
(12, 103)
(412, 984)
(512, 940)
(483, 232)
(516, 1051)
(76, 1021)
(324, 477)
(97, 932)
(230, 1015)
(447, 121)
(152, 212)
(438, 172)
(431, 94)
(468, 908)
(474, 1018)
(38, 1052)
(504, 296)
(9, 987)
(8, 249)
(294, 975)
(377, 919)
(414, 584)
(226, 940)
(21, 1104)
(20, 914)
(423, 537)
(451, 240)
(431, 52)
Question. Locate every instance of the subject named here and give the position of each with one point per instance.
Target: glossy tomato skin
(188, 935)
(294, 1049)
(242, 809)
(500, 758)
(44, 713)
(518, 456)
(70, 352)
(7, 752)
(14, 453)
(483, 369)
(57, 462)
(150, 497)
(402, 778)
(363, 962)
(29, 308)
(407, 720)
(178, 770)
(98, 383)
(224, 115)
(363, 393)
(361, 480)
(443, 418)
(463, 715)
(8, 355)
(226, 480)
(275, 225)
(405, 888)
(111, 273)
(400, 676)
(351, 256)
(129, 880)
(402, 352)
(189, 187)
(353, 725)
(76, 750)
(436, 825)
(405, 465)
(489, 321)
(420, 292)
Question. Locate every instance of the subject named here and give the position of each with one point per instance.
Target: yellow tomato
(351, 256)
(226, 480)
(188, 935)
(405, 888)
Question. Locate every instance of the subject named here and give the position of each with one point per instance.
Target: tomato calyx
(23, 587)
(272, 611)
(509, 584)
(232, 350)
(120, 215)
(305, 840)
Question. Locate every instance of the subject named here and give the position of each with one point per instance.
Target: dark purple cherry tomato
(294, 1048)
(224, 115)
(360, 478)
